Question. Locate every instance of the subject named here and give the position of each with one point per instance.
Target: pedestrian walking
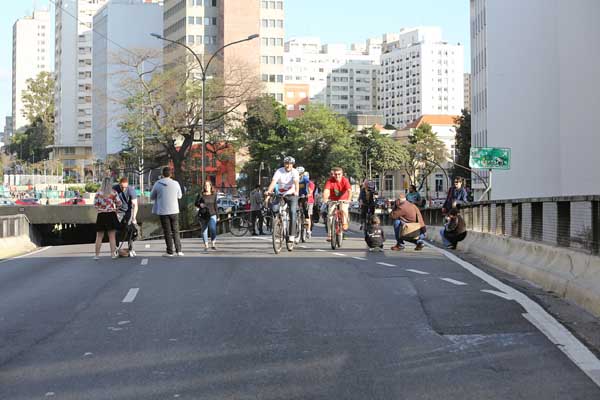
(127, 213)
(256, 205)
(208, 214)
(408, 224)
(166, 194)
(107, 202)
(454, 231)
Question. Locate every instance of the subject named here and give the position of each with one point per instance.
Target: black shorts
(107, 222)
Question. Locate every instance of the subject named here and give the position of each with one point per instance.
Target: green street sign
(489, 158)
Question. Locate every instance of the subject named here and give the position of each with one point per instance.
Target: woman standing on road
(107, 202)
(207, 215)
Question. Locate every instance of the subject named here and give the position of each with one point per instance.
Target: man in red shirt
(337, 188)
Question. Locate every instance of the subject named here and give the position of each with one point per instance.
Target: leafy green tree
(424, 149)
(327, 141)
(382, 152)
(463, 144)
(31, 143)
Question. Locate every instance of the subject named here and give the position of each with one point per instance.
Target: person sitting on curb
(374, 235)
(454, 231)
(408, 224)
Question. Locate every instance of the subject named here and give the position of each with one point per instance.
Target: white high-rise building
(421, 74)
(535, 90)
(73, 94)
(206, 25)
(31, 55)
(343, 79)
(108, 72)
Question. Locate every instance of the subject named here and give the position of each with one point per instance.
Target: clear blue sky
(335, 21)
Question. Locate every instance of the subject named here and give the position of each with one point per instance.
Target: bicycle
(280, 223)
(238, 224)
(335, 223)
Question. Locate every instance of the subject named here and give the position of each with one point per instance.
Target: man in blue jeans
(403, 213)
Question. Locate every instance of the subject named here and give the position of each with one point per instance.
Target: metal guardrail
(13, 226)
(569, 222)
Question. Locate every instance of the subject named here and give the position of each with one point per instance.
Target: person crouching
(374, 235)
(454, 231)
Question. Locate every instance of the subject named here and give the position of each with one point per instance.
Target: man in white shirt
(287, 180)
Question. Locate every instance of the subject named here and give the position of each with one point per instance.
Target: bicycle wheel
(339, 230)
(331, 231)
(302, 226)
(239, 226)
(277, 234)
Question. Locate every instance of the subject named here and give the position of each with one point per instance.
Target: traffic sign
(489, 158)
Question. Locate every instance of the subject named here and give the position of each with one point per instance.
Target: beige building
(206, 25)
(31, 55)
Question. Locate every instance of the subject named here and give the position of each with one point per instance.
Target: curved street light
(204, 69)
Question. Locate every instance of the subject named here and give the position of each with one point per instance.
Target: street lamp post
(204, 70)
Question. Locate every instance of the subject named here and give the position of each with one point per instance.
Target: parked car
(6, 202)
(28, 202)
(77, 201)
(225, 205)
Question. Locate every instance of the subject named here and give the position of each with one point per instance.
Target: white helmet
(300, 170)
(289, 159)
(306, 174)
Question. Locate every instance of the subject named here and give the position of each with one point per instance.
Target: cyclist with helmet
(366, 201)
(288, 181)
(307, 199)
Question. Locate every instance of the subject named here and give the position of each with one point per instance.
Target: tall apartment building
(30, 56)
(206, 25)
(109, 75)
(343, 79)
(535, 90)
(8, 132)
(421, 74)
(73, 94)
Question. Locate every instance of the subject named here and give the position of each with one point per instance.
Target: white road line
(26, 255)
(549, 326)
(497, 293)
(144, 262)
(339, 254)
(386, 264)
(360, 258)
(416, 271)
(130, 297)
(452, 281)
(319, 250)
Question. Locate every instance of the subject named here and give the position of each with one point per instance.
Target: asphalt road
(243, 323)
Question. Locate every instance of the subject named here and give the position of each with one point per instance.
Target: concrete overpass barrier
(15, 236)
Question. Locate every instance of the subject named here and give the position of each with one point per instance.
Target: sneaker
(168, 255)
(398, 247)
(180, 253)
(132, 253)
(115, 255)
(213, 245)
(308, 234)
(328, 238)
(96, 258)
(451, 247)
(419, 246)
(371, 249)
(290, 239)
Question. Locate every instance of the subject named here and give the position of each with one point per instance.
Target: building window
(439, 183)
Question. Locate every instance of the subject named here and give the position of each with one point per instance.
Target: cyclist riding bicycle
(288, 181)
(307, 199)
(337, 188)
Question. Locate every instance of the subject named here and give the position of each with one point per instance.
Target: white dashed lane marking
(339, 254)
(144, 262)
(416, 271)
(386, 264)
(454, 282)
(130, 297)
(360, 258)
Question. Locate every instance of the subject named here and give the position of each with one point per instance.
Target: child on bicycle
(374, 235)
